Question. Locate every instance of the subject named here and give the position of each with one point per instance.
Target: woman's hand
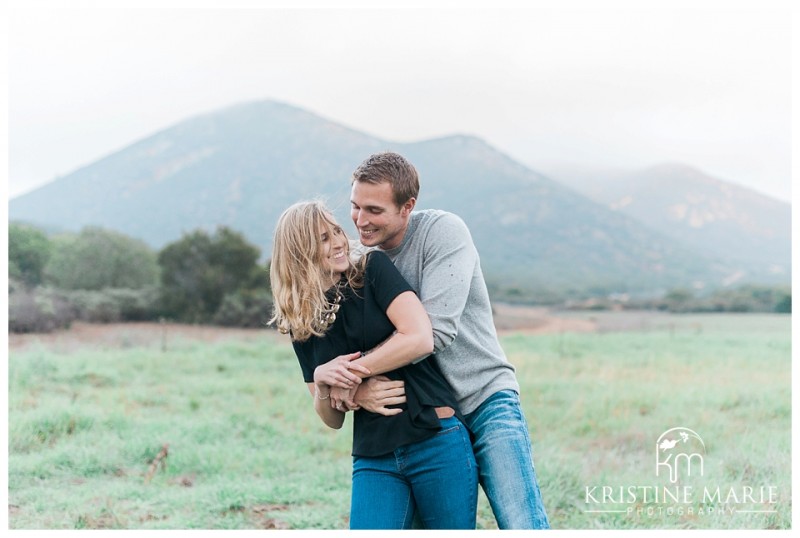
(342, 399)
(337, 372)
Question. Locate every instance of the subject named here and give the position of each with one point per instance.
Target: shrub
(136, 305)
(47, 309)
(97, 259)
(38, 310)
(200, 270)
(28, 252)
(114, 304)
(784, 305)
(93, 306)
(245, 308)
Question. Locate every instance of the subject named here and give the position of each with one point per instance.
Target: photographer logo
(680, 487)
(679, 451)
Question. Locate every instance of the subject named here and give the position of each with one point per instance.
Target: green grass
(247, 451)
(596, 403)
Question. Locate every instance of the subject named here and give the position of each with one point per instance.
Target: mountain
(236, 167)
(241, 166)
(749, 230)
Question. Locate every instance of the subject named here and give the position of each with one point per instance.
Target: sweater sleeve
(449, 261)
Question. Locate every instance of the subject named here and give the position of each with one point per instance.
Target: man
(434, 252)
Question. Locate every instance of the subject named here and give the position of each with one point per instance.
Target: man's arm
(448, 266)
(374, 394)
(411, 340)
(449, 259)
(381, 392)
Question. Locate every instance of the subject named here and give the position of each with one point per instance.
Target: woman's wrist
(322, 392)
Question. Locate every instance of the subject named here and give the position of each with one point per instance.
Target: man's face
(379, 221)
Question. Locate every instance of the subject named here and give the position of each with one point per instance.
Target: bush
(746, 298)
(46, 309)
(114, 304)
(97, 259)
(136, 305)
(784, 305)
(28, 252)
(38, 311)
(245, 308)
(93, 306)
(200, 270)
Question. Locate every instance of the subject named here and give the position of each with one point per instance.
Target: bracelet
(316, 395)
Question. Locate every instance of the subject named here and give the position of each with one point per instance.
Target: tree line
(747, 298)
(99, 275)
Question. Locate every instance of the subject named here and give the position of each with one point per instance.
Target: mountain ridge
(242, 165)
(725, 219)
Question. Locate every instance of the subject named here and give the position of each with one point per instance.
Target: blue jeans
(437, 477)
(505, 462)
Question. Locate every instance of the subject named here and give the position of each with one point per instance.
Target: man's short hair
(389, 167)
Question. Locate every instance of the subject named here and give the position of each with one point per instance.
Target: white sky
(610, 87)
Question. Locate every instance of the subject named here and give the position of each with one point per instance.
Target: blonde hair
(297, 276)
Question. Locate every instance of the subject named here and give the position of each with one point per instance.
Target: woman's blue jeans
(503, 452)
(437, 477)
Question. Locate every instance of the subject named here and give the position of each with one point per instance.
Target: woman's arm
(337, 372)
(332, 417)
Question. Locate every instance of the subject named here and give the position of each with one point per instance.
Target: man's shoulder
(443, 222)
(428, 214)
(430, 217)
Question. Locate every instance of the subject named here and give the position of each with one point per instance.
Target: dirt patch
(508, 318)
(260, 515)
(139, 334)
(104, 520)
(536, 320)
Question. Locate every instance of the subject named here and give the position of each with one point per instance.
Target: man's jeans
(505, 462)
(436, 477)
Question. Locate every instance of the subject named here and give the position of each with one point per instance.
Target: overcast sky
(609, 88)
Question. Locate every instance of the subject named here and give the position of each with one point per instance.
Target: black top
(361, 324)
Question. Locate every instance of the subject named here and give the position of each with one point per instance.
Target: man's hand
(336, 372)
(375, 393)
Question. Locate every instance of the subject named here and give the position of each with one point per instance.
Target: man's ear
(408, 207)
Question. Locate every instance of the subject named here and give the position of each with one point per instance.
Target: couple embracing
(402, 336)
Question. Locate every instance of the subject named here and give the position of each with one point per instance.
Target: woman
(419, 457)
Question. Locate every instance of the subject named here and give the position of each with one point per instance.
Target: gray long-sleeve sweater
(438, 258)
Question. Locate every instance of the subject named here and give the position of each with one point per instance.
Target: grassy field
(88, 426)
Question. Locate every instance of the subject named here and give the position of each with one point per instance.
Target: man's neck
(395, 241)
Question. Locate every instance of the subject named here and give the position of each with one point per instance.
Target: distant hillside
(237, 167)
(726, 221)
(243, 165)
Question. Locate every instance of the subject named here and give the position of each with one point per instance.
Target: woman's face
(334, 248)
